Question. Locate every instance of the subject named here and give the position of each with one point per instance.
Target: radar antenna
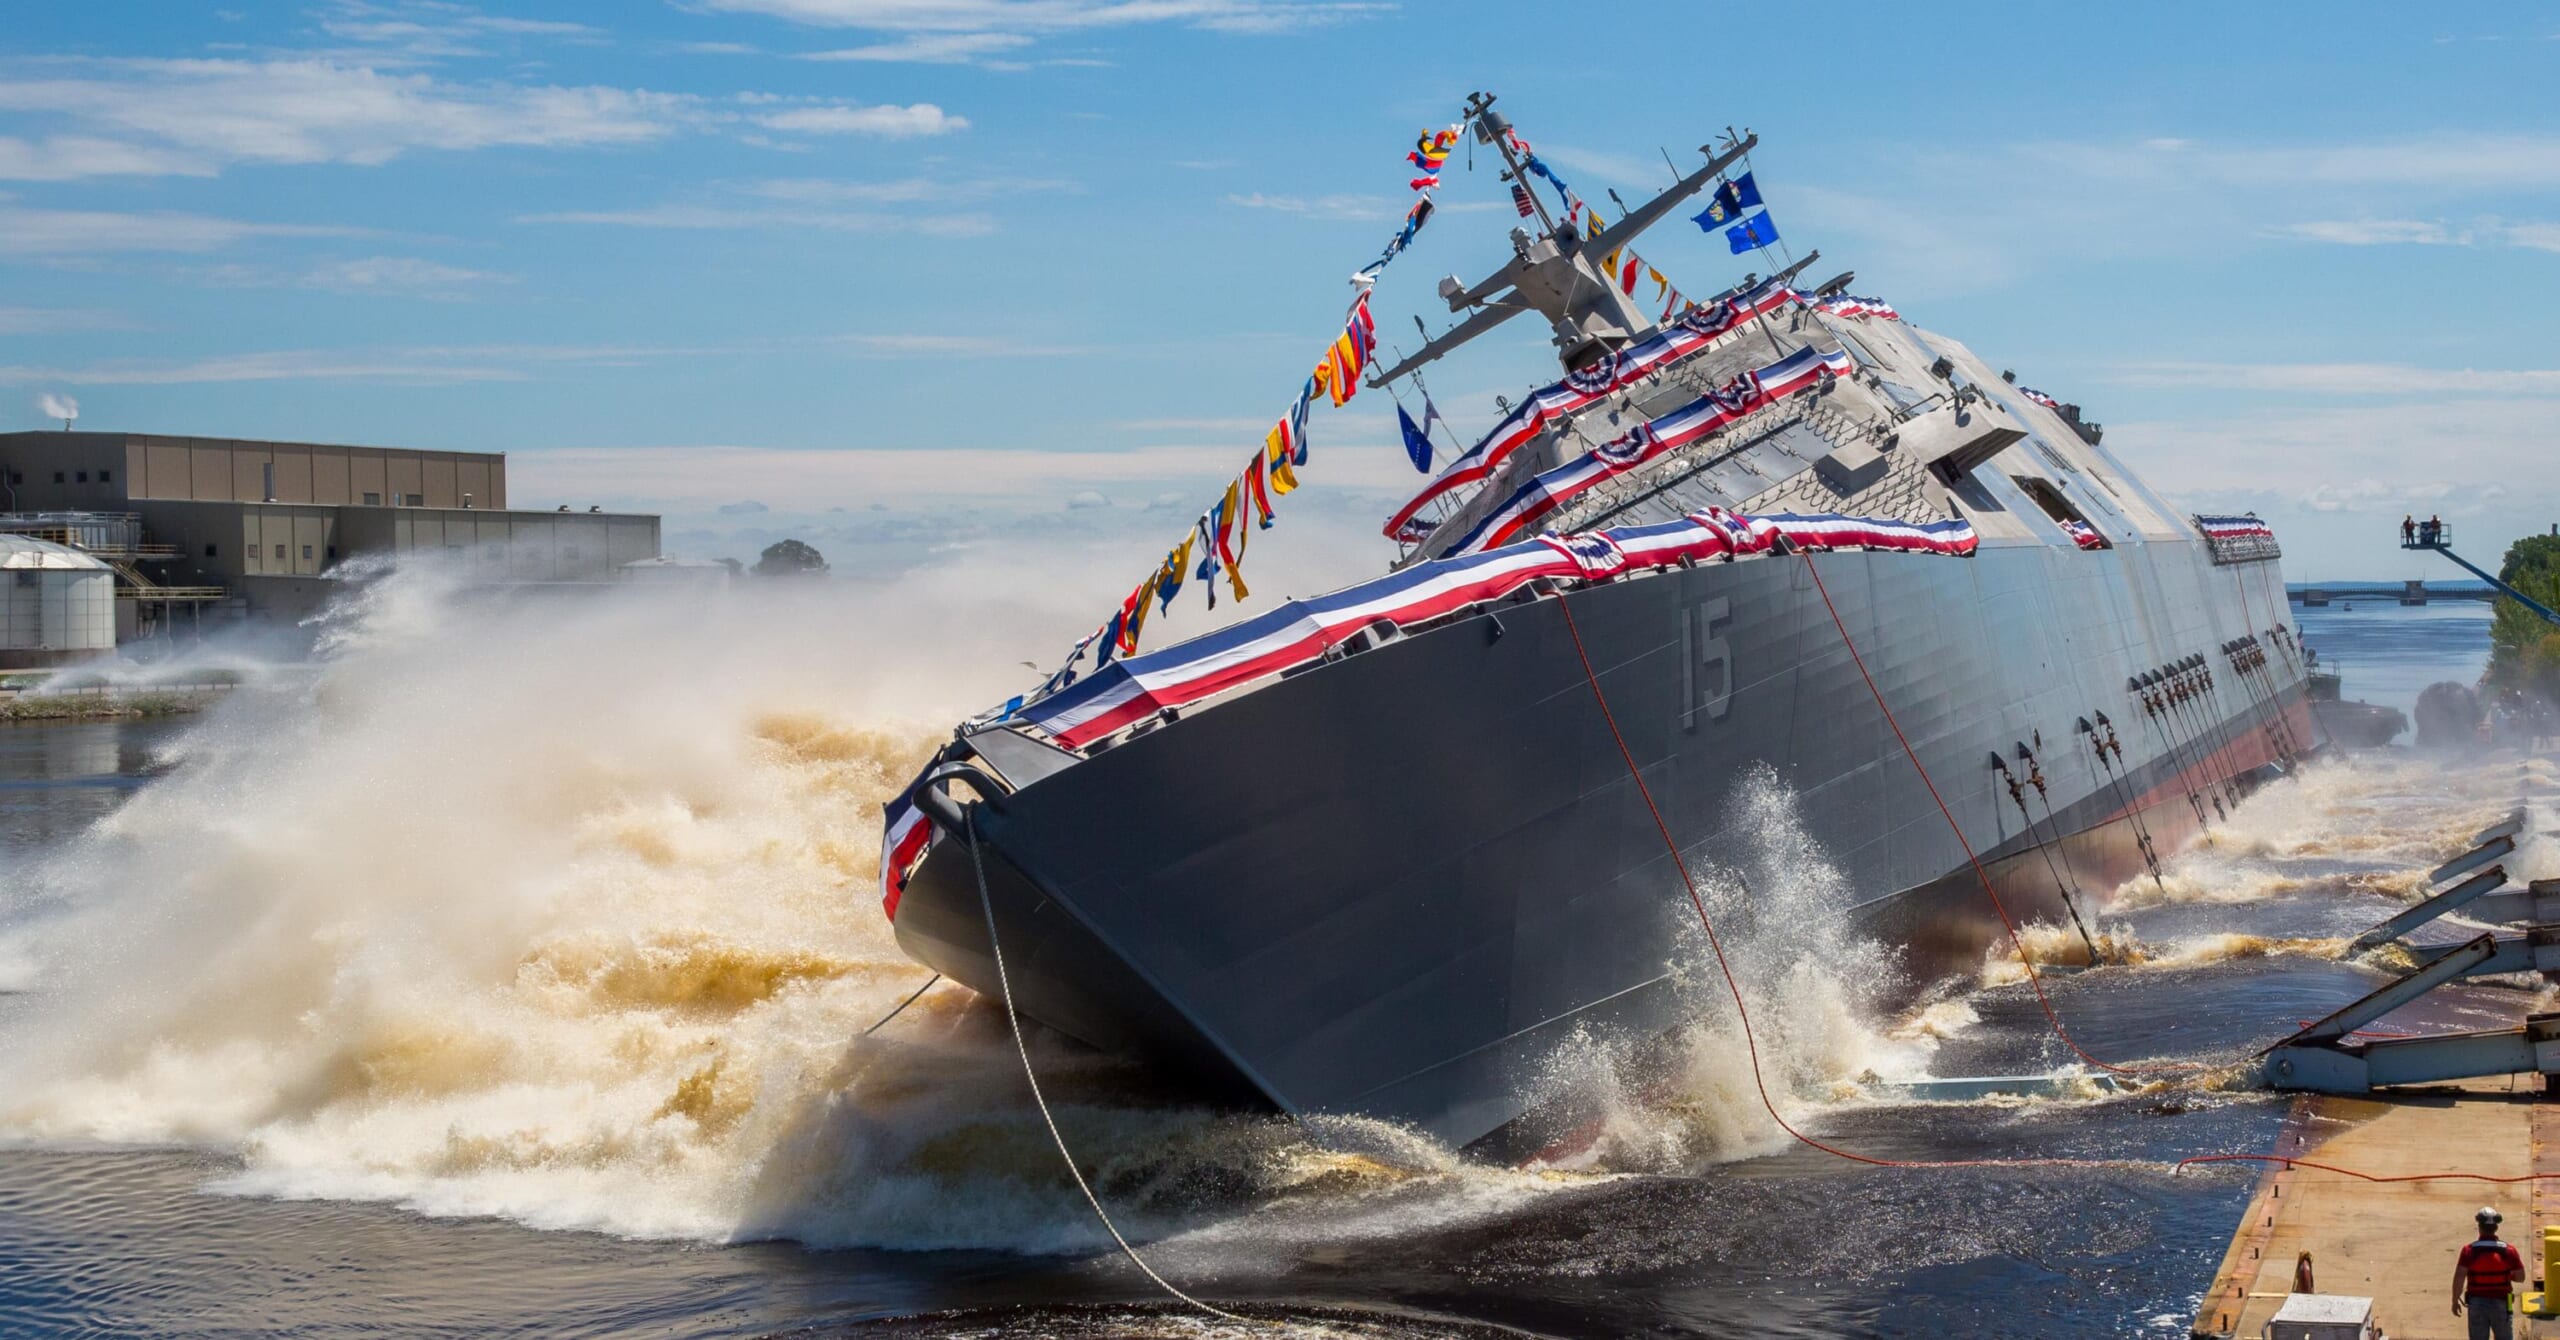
(1556, 271)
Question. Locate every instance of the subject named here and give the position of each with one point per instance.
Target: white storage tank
(57, 604)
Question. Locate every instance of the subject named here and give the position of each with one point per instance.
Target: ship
(1387, 852)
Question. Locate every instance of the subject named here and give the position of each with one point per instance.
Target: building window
(210, 551)
(373, 500)
(306, 553)
(106, 476)
(57, 476)
(279, 553)
(333, 553)
(413, 500)
(82, 476)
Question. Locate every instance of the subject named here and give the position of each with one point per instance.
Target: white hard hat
(2488, 1215)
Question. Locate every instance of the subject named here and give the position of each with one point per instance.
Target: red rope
(2365, 1176)
(1750, 1040)
(2007, 923)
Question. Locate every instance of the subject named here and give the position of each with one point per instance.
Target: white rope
(987, 906)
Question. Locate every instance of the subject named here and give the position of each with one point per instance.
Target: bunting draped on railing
(1702, 328)
(1841, 304)
(1302, 631)
(1747, 394)
(2235, 527)
(2040, 398)
(2083, 534)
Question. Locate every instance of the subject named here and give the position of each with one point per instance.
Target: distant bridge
(2411, 592)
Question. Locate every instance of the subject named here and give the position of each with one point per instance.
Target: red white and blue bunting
(1746, 395)
(1125, 692)
(2243, 527)
(1700, 329)
(1841, 304)
(1302, 631)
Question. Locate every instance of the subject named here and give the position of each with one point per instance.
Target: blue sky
(904, 275)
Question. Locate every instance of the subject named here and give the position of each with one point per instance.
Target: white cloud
(1086, 500)
(886, 121)
(2381, 232)
(207, 114)
(396, 274)
(2405, 449)
(450, 364)
(2375, 232)
(1222, 427)
(71, 157)
(50, 321)
(2538, 236)
(420, 366)
(908, 345)
(970, 16)
(2440, 161)
(1359, 207)
(908, 190)
(929, 49)
(67, 232)
(198, 117)
(969, 475)
(2372, 495)
(724, 217)
(427, 31)
(2395, 379)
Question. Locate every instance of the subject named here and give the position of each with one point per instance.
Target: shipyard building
(201, 531)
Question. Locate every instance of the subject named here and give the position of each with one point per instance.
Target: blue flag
(1751, 234)
(1417, 444)
(1729, 203)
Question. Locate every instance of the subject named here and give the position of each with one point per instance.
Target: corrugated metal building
(257, 519)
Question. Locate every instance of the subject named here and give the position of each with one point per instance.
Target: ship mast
(1556, 272)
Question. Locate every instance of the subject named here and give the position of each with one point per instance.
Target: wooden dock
(2392, 1242)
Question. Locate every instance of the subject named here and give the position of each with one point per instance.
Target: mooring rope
(902, 1005)
(1004, 983)
(1724, 965)
(2034, 979)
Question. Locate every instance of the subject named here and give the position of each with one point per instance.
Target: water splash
(564, 912)
(1819, 997)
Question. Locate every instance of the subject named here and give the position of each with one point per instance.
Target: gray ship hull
(1393, 883)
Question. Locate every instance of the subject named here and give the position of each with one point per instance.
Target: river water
(504, 980)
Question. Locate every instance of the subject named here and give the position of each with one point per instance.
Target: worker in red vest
(2486, 1272)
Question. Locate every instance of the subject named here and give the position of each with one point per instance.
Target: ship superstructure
(1774, 518)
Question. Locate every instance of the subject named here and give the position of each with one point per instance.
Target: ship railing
(2243, 548)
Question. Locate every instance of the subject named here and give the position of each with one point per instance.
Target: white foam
(565, 912)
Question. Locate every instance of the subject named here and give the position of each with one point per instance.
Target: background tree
(790, 558)
(2524, 651)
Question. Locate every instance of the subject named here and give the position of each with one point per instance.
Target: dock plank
(2392, 1242)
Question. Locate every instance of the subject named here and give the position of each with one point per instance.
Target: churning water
(506, 975)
